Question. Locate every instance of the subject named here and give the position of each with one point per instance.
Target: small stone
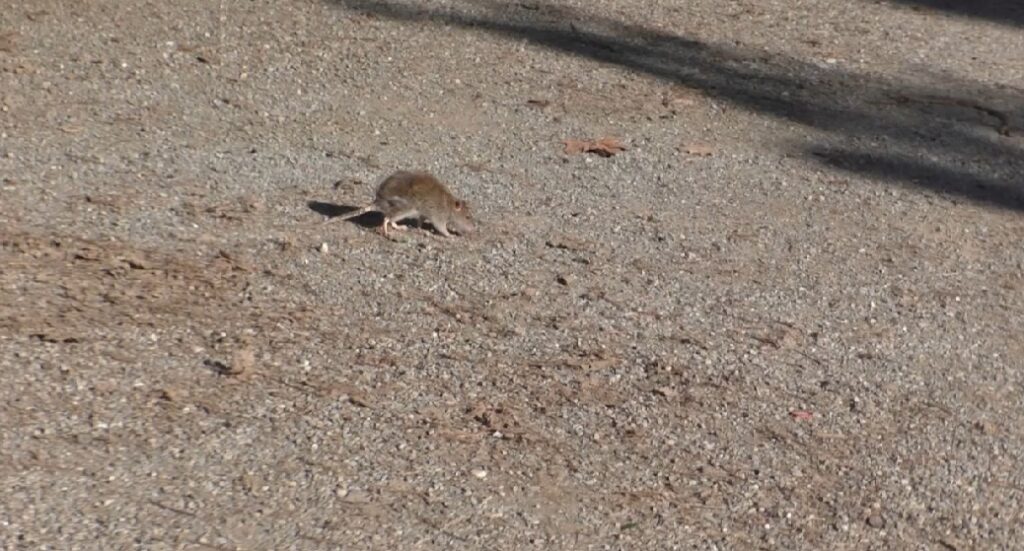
(985, 427)
(242, 361)
(568, 243)
(479, 473)
(565, 279)
(876, 521)
(169, 394)
(666, 391)
(136, 262)
(324, 249)
(357, 496)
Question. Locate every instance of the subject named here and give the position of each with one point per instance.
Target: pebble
(876, 521)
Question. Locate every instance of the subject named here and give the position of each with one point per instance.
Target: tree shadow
(962, 138)
(1009, 12)
(925, 175)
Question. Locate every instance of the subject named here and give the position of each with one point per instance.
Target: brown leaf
(55, 337)
(698, 149)
(666, 391)
(36, 15)
(116, 203)
(350, 393)
(605, 147)
(238, 262)
(477, 166)
(136, 262)
(360, 400)
(801, 414)
(8, 41)
(242, 361)
(680, 97)
(575, 147)
(169, 394)
(567, 242)
(590, 363)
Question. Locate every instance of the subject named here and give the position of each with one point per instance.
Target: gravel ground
(787, 316)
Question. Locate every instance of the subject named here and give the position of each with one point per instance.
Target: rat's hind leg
(389, 223)
(397, 217)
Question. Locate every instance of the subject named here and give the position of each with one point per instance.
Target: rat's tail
(353, 214)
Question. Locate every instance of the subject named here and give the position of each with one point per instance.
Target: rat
(421, 196)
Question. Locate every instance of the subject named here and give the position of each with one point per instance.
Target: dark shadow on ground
(1010, 12)
(925, 175)
(962, 138)
(330, 210)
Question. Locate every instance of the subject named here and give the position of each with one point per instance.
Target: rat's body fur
(418, 195)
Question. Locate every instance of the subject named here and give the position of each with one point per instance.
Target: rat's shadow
(330, 210)
(372, 219)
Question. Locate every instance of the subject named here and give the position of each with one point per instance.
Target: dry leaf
(350, 393)
(242, 361)
(169, 394)
(55, 337)
(575, 147)
(360, 400)
(699, 149)
(477, 166)
(8, 41)
(666, 391)
(679, 98)
(801, 414)
(136, 262)
(605, 147)
(567, 242)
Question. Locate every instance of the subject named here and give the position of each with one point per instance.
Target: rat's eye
(459, 205)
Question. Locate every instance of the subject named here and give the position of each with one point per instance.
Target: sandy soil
(786, 316)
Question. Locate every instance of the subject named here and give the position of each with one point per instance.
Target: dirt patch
(739, 281)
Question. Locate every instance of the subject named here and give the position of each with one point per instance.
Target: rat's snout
(467, 227)
(464, 225)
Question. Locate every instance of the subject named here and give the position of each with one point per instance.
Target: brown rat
(421, 196)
